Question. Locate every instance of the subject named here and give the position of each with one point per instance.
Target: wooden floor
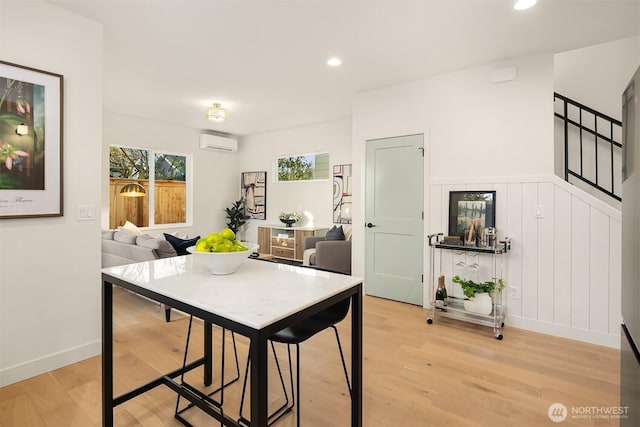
(444, 374)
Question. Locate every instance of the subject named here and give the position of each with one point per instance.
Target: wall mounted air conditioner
(218, 143)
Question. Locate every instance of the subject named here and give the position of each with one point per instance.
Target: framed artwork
(253, 187)
(30, 142)
(471, 207)
(342, 194)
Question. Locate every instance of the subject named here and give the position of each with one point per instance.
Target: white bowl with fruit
(221, 253)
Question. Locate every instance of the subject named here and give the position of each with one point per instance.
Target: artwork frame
(467, 206)
(342, 195)
(31, 142)
(253, 189)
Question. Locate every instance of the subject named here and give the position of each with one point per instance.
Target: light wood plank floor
(444, 374)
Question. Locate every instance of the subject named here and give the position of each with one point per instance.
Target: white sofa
(121, 247)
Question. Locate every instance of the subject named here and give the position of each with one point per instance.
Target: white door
(394, 240)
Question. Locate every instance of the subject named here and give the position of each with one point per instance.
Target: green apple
(228, 234)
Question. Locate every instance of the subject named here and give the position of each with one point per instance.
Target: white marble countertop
(258, 294)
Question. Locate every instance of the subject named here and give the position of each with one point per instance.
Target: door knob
(369, 225)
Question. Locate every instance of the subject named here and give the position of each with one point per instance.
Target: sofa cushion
(174, 234)
(180, 245)
(162, 247)
(107, 234)
(124, 237)
(336, 233)
(118, 253)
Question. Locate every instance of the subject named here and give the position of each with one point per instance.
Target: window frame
(276, 177)
(152, 169)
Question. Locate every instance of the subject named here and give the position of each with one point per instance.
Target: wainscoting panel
(599, 272)
(562, 257)
(563, 272)
(513, 223)
(529, 241)
(579, 264)
(615, 276)
(546, 262)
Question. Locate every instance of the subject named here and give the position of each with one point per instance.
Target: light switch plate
(86, 213)
(538, 211)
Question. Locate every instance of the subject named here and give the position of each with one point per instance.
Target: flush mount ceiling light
(216, 113)
(334, 62)
(523, 4)
(133, 190)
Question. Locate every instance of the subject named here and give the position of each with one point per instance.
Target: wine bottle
(444, 290)
(441, 294)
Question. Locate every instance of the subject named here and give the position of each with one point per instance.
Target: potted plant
(236, 217)
(478, 296)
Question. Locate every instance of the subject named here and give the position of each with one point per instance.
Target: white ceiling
(265, 61)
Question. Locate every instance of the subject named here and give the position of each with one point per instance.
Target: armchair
(328, 254)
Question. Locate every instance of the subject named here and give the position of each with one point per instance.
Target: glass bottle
(441, 294)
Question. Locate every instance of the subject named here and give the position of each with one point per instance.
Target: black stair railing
(596, 135)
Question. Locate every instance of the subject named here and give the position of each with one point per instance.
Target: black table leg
(208, 353)
(258, 355)
(107, 354)
(356, 358)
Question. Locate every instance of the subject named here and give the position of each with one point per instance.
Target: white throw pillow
(347, 232)
(306, 255)
(131, 228)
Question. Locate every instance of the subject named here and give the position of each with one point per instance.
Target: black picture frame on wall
(468, 206)
(31, 119)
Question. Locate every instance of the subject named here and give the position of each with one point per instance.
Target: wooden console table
(286, 242)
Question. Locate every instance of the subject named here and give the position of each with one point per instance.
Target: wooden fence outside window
(170, 203)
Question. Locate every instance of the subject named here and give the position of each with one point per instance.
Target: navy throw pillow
(180, 245)
(336, 233)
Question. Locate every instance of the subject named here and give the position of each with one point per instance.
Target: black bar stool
(220, 389)
(295, 335)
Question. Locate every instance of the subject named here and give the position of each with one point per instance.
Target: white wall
(501, 136)
(216, 180)
(597, 75)
(258, 153)
(472, 128)
(50, 267)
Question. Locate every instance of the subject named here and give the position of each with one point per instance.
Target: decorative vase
(288, 222)
(289, 218)
(479, 304)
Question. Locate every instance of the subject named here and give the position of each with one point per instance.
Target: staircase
(592, 148)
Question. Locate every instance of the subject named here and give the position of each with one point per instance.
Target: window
(304, 167)
(165, 181)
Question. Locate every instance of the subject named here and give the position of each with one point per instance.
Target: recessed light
(334, 62)
(523, 4)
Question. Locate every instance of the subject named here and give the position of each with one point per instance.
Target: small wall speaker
(501, 75)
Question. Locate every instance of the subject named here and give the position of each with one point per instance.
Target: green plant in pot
(478, 296)
(236, 217)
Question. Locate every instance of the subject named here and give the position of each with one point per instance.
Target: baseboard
(562, 331)
(29, 369)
